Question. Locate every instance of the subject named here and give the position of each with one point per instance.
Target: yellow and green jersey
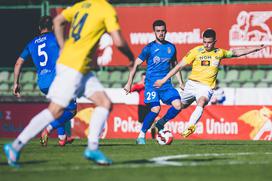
(89, 20)
(205, 64)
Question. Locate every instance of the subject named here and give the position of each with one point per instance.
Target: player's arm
(245, 51)
(132, 72)
(120, 42)
(17, 71)
(178, 75)
(59, 28)
(176, 69)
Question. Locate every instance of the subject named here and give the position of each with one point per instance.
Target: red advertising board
(217, 122)
(237, 25)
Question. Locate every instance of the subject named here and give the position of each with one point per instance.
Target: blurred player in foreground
(44, 50)
(90, 19)
(160, 55)
(205, 60)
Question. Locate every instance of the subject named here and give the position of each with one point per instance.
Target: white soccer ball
(164, 137)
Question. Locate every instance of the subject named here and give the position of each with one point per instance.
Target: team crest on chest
(168, 50)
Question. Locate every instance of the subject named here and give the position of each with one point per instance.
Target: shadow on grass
(26, 162)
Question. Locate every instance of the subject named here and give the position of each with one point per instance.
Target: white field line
(157, 162)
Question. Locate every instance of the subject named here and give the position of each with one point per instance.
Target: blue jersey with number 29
(44, 51)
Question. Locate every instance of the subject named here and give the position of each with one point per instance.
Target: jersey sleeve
(190, 57)
(144, 54)
(111, 20)
(25, 54)
(227, 53)
(69, 13)
(174, 58)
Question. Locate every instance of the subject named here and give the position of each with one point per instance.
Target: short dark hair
(209, 33)
(159, 23)
(46, 22)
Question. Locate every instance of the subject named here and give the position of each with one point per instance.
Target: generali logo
(251, 28)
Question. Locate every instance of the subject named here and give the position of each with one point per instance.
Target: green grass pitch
(183, 160)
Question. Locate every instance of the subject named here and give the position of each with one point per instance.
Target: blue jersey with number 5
(44, 51)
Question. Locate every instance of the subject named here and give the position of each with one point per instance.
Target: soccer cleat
(140, 141)
(190, 130)
(12, 155)
(62, 142)
(44, 137)
(68, 140)
(97, 156)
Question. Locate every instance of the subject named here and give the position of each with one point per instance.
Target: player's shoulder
(198, 49)
(150, 45)
(170, 44)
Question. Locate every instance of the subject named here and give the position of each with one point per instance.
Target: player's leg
(58, 124)
(61, 92)
(203, 94)
(172, 97)
(94, 91)
(36, 124)
(148, 120)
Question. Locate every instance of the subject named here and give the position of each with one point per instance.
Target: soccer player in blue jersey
(160, 55)
(44, 51)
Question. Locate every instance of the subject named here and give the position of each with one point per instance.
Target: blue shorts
(166, 96)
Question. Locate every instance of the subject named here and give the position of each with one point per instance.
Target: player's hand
(16, 90)
(127, 88)
(158, 83)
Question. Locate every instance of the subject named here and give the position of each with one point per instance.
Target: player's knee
(56, 110)
(177, 105)
(156, 109)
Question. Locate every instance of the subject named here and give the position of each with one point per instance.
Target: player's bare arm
(242, 52)
(179, 76)
(176, 69)
(120, 42)
(59, 27)
(17, 70)
(132, 72)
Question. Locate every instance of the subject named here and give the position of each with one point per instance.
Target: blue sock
(61, 130)
(171, 113)
(148, 120)
(60, 122)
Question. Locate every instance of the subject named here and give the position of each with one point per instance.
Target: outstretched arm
(241, 52)
(179, 76)
(17, 71)
(122, 45)
(177, 68)
(132, 72)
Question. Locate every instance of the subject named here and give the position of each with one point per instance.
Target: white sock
(141, 134)
(62, 137)
(99, 117)
(36, 124)
(196, 115)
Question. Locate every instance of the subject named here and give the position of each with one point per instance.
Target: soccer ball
(164, 137)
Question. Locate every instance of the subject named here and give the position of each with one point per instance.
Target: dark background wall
(17, 28)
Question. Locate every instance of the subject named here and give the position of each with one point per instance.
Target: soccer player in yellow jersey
(205, 60)
(89, 20)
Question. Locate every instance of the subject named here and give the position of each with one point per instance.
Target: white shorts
(69, 84)
(193, 91)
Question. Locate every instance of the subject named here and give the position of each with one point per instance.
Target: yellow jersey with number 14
(205, 64)
(89, 20)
